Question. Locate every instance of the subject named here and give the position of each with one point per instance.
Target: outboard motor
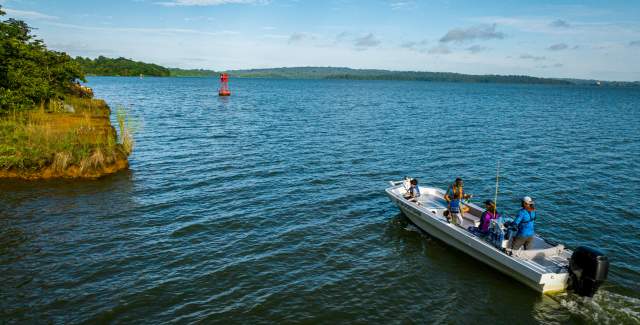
(588, 269)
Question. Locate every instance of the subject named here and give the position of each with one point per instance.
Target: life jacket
(455, 189)
(454, 206)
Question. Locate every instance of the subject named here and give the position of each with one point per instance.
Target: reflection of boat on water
(547, 267)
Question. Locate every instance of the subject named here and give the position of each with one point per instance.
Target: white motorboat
(546, 267)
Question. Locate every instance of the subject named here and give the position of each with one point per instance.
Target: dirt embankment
(70, 139)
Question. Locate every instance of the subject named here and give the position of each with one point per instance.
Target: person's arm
(518, 219)
(464, 195)
(482, 219)
(446, 195)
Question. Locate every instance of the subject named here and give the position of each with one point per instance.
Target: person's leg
(455, 218)
(528, 243)
(517, 242)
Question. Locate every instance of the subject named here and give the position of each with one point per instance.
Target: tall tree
(30, 74)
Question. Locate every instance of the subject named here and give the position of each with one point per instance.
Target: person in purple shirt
(489, 214)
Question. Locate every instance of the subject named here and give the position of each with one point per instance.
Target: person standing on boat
(524, 222)
(454, 197)
(456, 188)
(456, 210)
(413, 193)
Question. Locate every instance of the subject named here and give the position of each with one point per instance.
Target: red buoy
(224, 85)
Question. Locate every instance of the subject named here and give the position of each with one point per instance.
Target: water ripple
(269, 207)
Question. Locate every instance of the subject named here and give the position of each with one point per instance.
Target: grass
(54, 138)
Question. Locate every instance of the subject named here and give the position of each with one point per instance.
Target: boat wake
(604, 308)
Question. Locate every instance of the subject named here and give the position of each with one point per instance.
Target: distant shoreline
(609, 84)
(123, 67)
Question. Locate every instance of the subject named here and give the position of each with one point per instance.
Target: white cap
(527, 200)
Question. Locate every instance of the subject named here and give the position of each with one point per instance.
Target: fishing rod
(495, 198)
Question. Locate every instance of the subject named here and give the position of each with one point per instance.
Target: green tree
(30, 74)
(103, 66)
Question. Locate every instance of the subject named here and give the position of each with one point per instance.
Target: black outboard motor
(588, 269)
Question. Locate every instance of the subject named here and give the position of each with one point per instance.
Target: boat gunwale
(531, 265)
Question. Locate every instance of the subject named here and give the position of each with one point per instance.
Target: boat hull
(482, 251)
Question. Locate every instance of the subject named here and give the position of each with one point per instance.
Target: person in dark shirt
(413, 193)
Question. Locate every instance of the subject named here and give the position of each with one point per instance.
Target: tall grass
(53, 137)
(125, 125)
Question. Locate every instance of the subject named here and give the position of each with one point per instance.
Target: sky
(570, 39)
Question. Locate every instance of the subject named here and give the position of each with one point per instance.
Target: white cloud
(159, 31)
(210, 2)
(366, 41)
(559, 23)
(297, 37)
(24, 14)
(482, 32)
(402, 4)
(275, 36)
(527, 56)
(440, 49)
(418, 46)
(546, 25)
(558, 47)
(476, 48)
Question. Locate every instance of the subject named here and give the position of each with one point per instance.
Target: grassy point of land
(71, 138)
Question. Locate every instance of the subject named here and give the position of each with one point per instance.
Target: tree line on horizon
(122, 67)
(103, 66)
(378, 74)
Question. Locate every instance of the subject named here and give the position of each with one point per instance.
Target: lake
(269, 205)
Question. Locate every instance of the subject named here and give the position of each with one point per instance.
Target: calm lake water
(269, 206)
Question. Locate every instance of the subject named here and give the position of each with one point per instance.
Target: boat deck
(543, 256)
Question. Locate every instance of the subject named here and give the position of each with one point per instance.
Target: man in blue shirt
(525, 225)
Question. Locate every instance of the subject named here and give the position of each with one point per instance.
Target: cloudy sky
(579, 39)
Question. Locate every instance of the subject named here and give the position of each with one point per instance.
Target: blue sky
(580, 39)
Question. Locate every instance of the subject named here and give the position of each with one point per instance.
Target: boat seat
(470, 217)
(532, 254)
